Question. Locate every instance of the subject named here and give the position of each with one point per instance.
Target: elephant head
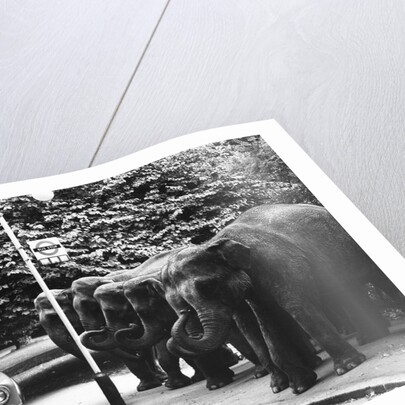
(52, 324)
(204, 284)
(156, 316)
(117, 312)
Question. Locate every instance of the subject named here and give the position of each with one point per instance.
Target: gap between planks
(138, 64)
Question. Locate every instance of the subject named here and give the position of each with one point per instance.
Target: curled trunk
(177, 350)
(102, 339)
(213, 331)
(129, 337)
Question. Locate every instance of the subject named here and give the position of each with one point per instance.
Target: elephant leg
(141, 368)
(152, 359)
(337, 315)
(228, 357)
(198, 374)
(369, 322)
(296, 337)
(237, 339)
(282, 354)
(170, 364)
(247, 323)
(215, 371)
(52, 324)
(188, 358)
(210, 366)
(314, 322)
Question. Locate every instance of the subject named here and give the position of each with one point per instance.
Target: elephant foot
(278, 381)
(260, 371)
(219, 381)
(198, 376)
(145, 385)
(178, 381)
(302, 381)
(348, 362)
(364, 338)
(161, 375)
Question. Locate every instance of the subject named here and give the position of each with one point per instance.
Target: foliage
(120, 222)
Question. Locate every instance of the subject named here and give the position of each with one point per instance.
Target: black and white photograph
(210, 276)
(202, 202)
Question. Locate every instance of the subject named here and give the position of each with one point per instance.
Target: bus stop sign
(48, 251)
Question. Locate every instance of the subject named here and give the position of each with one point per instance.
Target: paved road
(385, 360)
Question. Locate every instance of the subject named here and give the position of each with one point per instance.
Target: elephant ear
(234, 253)
(69, 295)
(153, 285)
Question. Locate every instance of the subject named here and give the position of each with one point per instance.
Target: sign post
(103, 380)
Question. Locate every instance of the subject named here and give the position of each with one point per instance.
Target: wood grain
(330, 72)
(64, 66)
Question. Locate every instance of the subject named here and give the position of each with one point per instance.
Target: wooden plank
(330, 72)
(64, 66)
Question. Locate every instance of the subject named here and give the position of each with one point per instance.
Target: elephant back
(313, 230)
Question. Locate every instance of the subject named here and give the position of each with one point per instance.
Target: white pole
(104, 382)
(49, 295)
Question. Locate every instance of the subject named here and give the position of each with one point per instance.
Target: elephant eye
(206, 287)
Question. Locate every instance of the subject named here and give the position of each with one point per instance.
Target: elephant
(118, 314)
(52, 324)
(103, 308)
(94, 294)
(285, 260)
(370, 325)
(145, 367)
(86, 305)
(147, 296)
(143, 363)
(157, 319)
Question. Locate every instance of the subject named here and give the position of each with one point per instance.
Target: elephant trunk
(192, 325)
(128, 338)
(99, 339)
(214, 331)
(177, 350)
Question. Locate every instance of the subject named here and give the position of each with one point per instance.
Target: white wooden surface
(64, 65)
(82, 83)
